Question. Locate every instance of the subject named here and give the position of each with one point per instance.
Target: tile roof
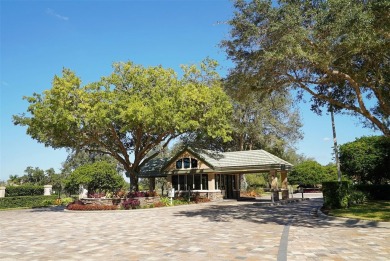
(220, 161)
(241, 158)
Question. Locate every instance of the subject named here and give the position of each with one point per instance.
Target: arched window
(187, 163)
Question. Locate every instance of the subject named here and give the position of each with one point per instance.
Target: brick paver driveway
(227, 230)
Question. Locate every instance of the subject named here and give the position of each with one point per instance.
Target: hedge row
(345, 194)
(24, 190)
(336, 193)
(27, 201)
(375, 192)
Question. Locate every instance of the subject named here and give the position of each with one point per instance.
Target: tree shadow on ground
(49, 209)
(301, 214)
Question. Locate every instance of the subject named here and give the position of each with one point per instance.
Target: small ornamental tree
(308, 173)
(100, 176)
(129, 113)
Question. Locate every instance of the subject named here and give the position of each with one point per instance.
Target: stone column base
(284, 194)
(276, 195)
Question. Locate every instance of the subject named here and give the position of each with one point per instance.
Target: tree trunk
(336, 150)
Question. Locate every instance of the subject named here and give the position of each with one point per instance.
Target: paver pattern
(227, 230)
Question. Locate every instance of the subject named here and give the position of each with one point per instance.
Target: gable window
(194, 163)
(187, 163)
(179, 164)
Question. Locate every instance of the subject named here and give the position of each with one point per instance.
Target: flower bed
(80, 205)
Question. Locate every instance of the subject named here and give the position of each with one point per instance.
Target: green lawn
(372, 210)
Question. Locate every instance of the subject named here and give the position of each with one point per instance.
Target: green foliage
(375, 191)
(77, 159)
(330, 172)
(100, 176)
(336, 194)
(269, 122)
(26, 201)
(24, 190)
(367, 159)
(308, 173)
(66, 201)
(255, 181)
(337, 51)
(133, 110)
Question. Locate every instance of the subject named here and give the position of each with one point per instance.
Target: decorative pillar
(83, 193)
(283, 175)
(211, 181)
(2, 192)
(47, 189)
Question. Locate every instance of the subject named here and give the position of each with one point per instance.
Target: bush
(66, 201)
(27, 201)
(140, 194)
(24, 190)
(159, 204)
(375, 192)
(356, 197)
(336, 194)
(131, 203)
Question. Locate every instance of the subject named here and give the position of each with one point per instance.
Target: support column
(274, 185)
(211, 181)
(283, 175)
(2, 192)
(47, 190)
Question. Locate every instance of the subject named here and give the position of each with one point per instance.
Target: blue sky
(39, 38)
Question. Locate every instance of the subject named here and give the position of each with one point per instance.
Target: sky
(40, 38)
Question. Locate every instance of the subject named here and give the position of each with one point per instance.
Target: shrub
(356, 197)
(159, 204)
(26, 201)
(24, 190)
(375, 192)
(131, 203)
(66, 201)
(165, 201)
(140, 194)
(336, 194)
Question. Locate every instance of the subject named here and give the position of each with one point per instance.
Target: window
(179, 164)
(187, 163)
(194, 163)
(190, 182)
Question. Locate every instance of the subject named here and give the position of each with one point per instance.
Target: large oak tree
(338, 51)
(130, 112)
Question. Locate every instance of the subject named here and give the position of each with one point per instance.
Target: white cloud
(326, 139)
(53, 13)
